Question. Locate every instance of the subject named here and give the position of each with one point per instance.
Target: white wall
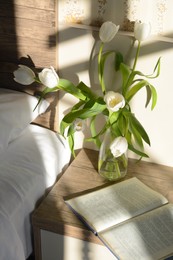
(159, 122)
(75, 46)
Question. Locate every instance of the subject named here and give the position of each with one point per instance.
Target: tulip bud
(118, 146)
(79, 125)
(49, 77)
(114, 101)
(107, 32)
(142, 30)
(24, 75)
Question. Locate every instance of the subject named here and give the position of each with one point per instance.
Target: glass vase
(110, 167)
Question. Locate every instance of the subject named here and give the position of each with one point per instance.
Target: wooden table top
(55, 216)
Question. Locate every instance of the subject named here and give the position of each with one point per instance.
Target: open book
(132, 220)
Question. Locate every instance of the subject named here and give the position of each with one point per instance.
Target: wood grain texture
(54, 215)
(28, 33)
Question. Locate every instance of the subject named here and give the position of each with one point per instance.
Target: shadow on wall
(21, 44)
(8, 41)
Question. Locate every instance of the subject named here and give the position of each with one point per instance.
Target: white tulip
(49, 77)
(107, 31)
(114, 101)
(24, 75)
(79, 125)
(118, 146)
(142, 30)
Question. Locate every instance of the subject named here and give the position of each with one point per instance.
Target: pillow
(16, 113)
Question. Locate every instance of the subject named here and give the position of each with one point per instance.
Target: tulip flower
(120, 118)
(142, 30)
(79, 125)
(24, 75)
(141, 33)
(107, 32)
(114, 101)
(49, 77)
(118, 146)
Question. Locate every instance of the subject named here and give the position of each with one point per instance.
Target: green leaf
(118, 60)
(128, 76)
(63, 126)
(44, 92)
(123, 124)
(137, 136)
(113, 117)
(151, 92)
(69, 87)
(115, 130)
(154, 96)
(94, 137)
(93, 131)
(133, 149)
(154, 74)
(71, 144)
(65, 122)
(71, 130)
(149, 95)
(89, 104)
(156, 69)
(91, 108)
(86, 91)
(139, 128)
(125, 71)
(135, 89)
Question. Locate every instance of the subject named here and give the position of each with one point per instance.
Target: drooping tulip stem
(101, 69)
(129, 80)
(136, 56)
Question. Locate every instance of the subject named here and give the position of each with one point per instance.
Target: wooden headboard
(28, 36)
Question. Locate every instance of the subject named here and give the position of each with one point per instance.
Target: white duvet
(28, 166)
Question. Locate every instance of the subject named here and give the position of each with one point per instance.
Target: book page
(148, 236)
(116, 203)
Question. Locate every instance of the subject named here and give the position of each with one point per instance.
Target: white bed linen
(16, 113)
(28, 166)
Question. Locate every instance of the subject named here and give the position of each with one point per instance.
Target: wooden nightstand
(58, 234)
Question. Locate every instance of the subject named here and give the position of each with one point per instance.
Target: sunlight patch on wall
(95, 12)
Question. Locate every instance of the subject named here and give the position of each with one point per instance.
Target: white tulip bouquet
(115, 107)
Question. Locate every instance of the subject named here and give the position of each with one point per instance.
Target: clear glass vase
(110, 167)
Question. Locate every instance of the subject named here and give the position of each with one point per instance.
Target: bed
(31, 157)
(32, 153)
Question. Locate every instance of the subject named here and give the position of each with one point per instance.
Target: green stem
(136, 56)
(45, 91)
(93, 132)
(124, 160)
(117, 168)
(133, 69)
(100, 69)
